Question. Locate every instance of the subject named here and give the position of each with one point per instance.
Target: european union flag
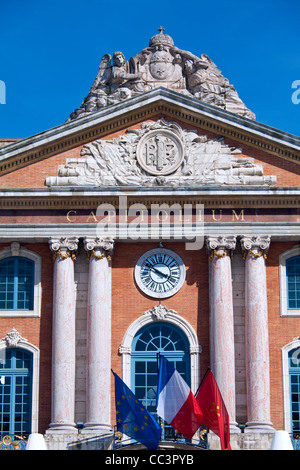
(132, 417)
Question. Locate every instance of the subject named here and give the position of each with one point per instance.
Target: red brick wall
(287, 173)
(34, 175)
(38, 331)
(282, 330)
(129, 303)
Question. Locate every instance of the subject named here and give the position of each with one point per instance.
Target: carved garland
(254, 255)
(214, 253)
(64, 256)
(98, 257)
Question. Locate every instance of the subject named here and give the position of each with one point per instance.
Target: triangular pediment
(160, 153)
(149, 105)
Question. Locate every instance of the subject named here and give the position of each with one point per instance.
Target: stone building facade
(161, 207)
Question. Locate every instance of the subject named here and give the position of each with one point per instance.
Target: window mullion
(16, 284)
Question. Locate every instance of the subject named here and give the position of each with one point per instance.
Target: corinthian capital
(104, 244)
(64, 246)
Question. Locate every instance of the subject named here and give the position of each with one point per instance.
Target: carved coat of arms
(160, 153)
(161, 64)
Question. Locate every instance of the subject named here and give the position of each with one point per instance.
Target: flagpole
(157, 361)
(207, 370)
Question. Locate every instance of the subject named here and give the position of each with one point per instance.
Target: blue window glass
(16, 283)
(164, 338)
(15, 391)
(294, 373)
(293, 282)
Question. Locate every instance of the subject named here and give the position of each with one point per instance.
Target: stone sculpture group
(161, 65)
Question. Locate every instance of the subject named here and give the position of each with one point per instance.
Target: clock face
(160, 273)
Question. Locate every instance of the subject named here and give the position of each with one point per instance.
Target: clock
(160, 273)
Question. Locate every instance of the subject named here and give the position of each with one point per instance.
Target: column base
(96, 428)
(233, 428)
(63, 428)
(259, 426)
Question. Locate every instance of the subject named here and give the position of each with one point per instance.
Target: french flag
(175, 402)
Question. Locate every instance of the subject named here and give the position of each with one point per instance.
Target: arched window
(16, 283)
(159, 337)
(16, 367)
(294, 375)
(289, 281)
(293, 282)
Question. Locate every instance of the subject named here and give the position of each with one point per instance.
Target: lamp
(36, 442)
(281, 441)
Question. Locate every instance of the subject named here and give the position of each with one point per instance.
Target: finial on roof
(161, 38)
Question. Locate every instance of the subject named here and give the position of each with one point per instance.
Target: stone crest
(160, 312)
(161, 64)
(160, 153)
(13, 338)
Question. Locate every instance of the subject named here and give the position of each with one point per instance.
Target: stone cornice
(92, 198)
(148, 105)
(219, 203)
(43, 232)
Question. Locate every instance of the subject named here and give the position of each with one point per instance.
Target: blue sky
(50, 52)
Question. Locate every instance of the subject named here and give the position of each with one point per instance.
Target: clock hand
(159, 272)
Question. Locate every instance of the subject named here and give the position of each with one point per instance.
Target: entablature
(216, 197)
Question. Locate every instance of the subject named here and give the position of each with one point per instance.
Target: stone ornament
(15, 248)
(160, 153)
(13, 338)
(255, 246)
(64, 247)
(161, 64)
(160, 312)
(224, 244)
(105, 245)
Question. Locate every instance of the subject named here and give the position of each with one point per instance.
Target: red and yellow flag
(215, 415)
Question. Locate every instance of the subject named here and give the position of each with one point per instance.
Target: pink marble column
(63, 347)
(222, 357)
(257, 338)
(98, 335)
